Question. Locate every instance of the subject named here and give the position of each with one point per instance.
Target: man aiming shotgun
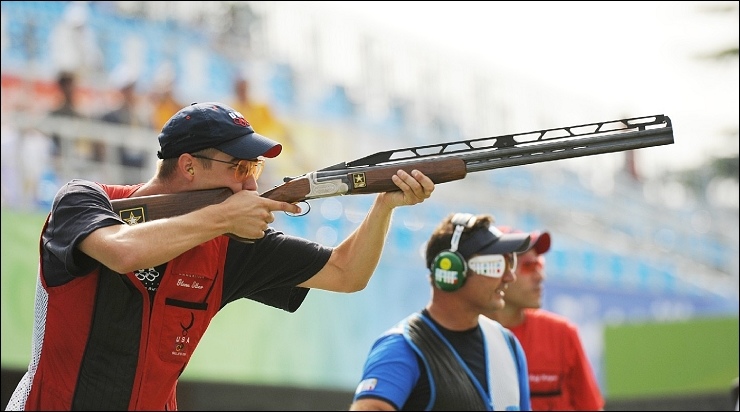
(120, 307)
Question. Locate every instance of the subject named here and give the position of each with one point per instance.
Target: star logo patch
(133, 215)
(359, 180)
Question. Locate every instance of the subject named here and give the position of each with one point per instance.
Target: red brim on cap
(540, 241)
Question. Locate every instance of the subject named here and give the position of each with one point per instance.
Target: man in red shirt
(560, 375)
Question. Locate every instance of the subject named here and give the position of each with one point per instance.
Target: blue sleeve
(390, 372)
(524, 402)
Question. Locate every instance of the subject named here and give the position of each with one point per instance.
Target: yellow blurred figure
(164, 106)
(164, 102)
(258, 114)
(263, 120)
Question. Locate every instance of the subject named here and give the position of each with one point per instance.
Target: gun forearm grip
(378, 178)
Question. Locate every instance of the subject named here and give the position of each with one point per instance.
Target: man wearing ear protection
(448, 356)
(560, 376)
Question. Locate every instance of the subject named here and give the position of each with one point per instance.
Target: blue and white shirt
(401, 372)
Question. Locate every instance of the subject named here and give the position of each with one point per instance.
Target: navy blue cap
(213, 125)
(493, 241)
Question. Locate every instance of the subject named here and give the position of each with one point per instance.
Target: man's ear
(185, 164)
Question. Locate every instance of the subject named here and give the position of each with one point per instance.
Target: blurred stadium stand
(623, 247)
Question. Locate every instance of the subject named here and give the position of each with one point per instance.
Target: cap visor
(507, 243)
(251, 146)
(541, 242)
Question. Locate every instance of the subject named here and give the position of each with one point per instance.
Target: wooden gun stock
(168, 205)
(145, 208)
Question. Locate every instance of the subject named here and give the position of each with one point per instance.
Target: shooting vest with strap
(121, 350)
(453, 387)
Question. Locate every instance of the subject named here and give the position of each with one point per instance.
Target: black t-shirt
(266, 271)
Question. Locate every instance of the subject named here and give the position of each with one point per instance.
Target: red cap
(540, 241)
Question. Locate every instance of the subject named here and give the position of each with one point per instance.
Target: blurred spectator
(164, 102)
(11, 179)
(260, 115)
(128, 113)
(38, 168)
(73, 44)
(84, 146)
(67, 83)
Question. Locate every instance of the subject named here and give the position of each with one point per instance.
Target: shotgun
(442, 163)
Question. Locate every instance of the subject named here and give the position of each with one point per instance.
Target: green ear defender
(449, 267)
